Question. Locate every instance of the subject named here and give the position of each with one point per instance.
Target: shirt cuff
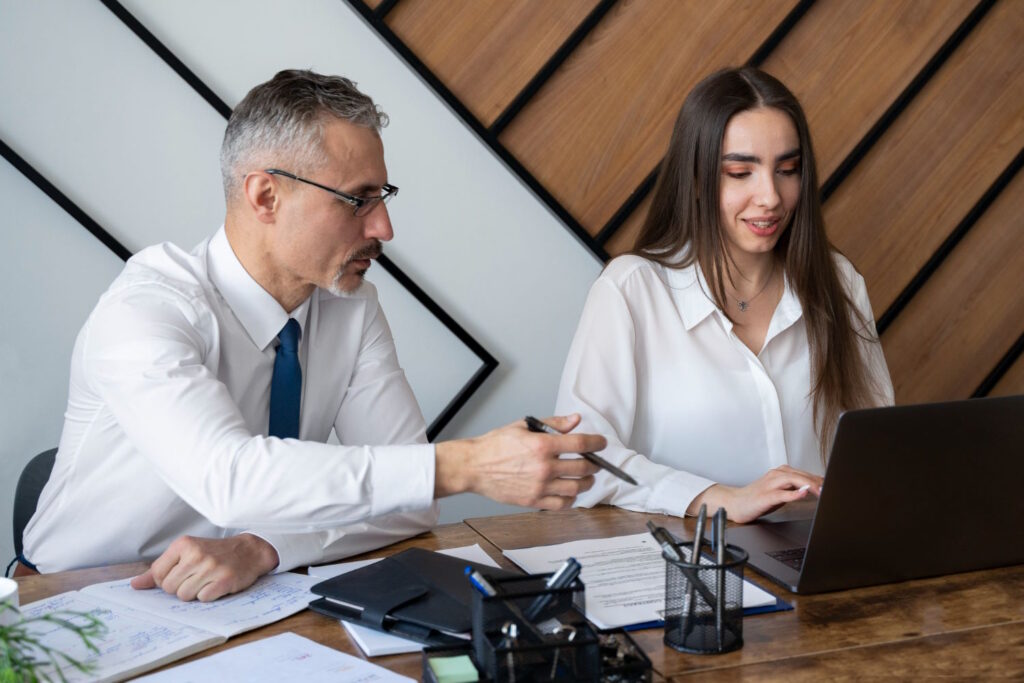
(403, 478)
(293, 550)
(673, 493)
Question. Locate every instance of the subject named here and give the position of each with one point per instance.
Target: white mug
(8, 594)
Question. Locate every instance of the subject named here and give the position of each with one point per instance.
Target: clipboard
(415, 594)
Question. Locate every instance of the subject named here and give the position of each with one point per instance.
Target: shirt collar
(695, 303)
(260, 314)
(692, 294)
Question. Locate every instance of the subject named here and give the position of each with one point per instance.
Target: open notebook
(147, 629)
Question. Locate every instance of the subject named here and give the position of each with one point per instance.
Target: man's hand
(777, 487)
(517, 466)
(208, 568)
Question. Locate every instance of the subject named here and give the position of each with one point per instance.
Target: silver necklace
(745, 304)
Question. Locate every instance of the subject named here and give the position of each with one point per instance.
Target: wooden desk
(965, 625)
(309, 624)
(962, 626)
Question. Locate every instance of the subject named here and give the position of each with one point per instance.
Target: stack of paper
(284, 657)
(624, 577)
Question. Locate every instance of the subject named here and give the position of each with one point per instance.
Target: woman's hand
(774, 489)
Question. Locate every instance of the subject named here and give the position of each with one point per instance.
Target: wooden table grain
(309, 624)
(963, 626)
(967, 625)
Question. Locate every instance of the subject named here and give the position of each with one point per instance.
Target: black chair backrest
(26, 497)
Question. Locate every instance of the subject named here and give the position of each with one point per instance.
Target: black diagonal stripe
(904, 99)
(489, 362)
(384, 8)
(1001, 368)
(64, 202)
(556, 60)
(950, 243)
(780, 32)
(541, 192)
(161, 50)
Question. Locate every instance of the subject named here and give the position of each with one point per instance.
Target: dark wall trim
(161, 50)
(904, 99)
(62, 200)
(1001, 368)
(384, 8)
(950, 243)
(551, 66)
(478, 128)
(489, 362)
(780, 32)
(638, 195)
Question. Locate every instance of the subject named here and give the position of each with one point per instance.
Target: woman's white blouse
(656, 367)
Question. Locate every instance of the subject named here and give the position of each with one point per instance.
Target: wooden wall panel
(938, 158)
(486, 51)
(601, 123)
(848, 61)
(593, 131)
(1012, 383)
(961, 323)
(625, 237)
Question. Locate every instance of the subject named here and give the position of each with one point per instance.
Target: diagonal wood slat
(486, 51)
(962, 312)
(937, 159)
(599, 125)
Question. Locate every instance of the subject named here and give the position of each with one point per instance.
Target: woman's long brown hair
(681, 229)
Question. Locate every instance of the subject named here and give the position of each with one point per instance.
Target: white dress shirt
(656, 367)
(166, 428)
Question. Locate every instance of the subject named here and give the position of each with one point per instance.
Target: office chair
(26, 496)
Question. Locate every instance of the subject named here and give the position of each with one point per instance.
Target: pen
(562, 578)
(718, 525)
(480, 583)
(698, 535)
(487, 590)
(535, 425)
(668, 544)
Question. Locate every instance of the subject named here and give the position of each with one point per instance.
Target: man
(184, 439)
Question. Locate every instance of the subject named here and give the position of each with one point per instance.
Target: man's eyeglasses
(360, 205)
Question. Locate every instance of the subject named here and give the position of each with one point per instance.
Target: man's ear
(262, 196)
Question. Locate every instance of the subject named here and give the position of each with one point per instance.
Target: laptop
(910, 492)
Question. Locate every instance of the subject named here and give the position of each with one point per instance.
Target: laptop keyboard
(793, 557)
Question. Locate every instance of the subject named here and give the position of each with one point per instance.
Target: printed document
(624, 577)
(284, 657)
(147, 629)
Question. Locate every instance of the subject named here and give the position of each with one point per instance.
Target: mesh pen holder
(707, 618)
(528, 632)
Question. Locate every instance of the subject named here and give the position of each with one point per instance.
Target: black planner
(415, 594)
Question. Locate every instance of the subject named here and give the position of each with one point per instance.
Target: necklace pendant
(743, 306)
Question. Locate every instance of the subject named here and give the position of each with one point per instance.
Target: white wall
(92, 108)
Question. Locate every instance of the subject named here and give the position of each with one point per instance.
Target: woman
(718, 355)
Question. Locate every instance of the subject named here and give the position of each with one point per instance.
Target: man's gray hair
(281, 123)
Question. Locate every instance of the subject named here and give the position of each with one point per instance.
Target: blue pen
(487, 590)
(480, 583)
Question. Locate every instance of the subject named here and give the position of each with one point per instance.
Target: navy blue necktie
(286, 384)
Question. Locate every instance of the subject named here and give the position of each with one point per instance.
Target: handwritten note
(271, 598)
(134, 641)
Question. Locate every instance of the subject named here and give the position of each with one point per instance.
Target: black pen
(535, 425)
(562, 578)
(718, 526)
(673, 551)
(698, 535)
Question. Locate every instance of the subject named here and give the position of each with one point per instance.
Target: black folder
(415, 594)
